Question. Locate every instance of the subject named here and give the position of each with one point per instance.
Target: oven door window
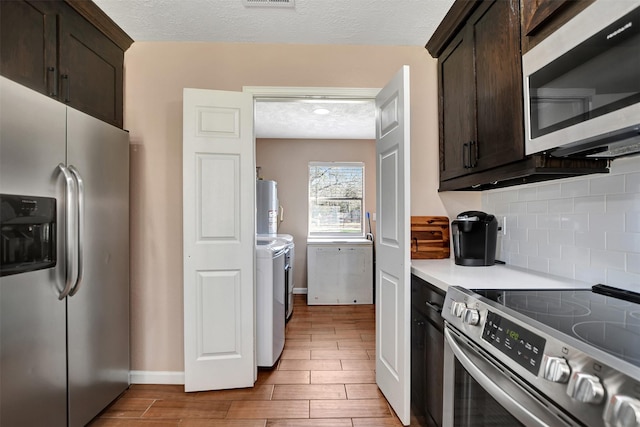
(479, 393)
(474, 407)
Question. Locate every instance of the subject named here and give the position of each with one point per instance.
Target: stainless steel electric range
(542, 358)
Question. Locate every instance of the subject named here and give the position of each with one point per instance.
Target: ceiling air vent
(269, 3)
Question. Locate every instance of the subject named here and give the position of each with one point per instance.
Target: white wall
(585, 228)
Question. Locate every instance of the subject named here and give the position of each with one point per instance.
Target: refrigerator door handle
(70, 232)
(80, 229)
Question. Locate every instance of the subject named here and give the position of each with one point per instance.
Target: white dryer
(270, 301)
(289, 260)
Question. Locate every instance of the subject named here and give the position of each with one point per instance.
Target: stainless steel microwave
(582, 85)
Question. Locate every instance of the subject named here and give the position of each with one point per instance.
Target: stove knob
(622, 411)
(556, 369)
(471, 316)
(585, 388)
(457, 308)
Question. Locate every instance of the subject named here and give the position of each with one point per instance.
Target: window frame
(341, 235)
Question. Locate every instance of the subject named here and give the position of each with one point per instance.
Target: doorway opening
(324, 138)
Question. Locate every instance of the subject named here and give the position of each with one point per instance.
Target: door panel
(32, 318)
(393, 296)
(219, 239)
(98, 312)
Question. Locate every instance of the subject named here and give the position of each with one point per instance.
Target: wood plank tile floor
(324, 378)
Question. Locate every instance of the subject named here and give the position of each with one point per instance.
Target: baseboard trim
(300, 291)
(156, 377)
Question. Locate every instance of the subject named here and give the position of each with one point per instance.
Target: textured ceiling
(297, 119)
(349, 22)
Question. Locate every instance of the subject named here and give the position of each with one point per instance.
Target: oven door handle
(502, 397)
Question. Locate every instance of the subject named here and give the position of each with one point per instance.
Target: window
(336, 199)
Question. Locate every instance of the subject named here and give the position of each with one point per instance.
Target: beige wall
(287, 162)
(156, 73)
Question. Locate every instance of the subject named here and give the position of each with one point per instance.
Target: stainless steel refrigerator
(267, 208)
(64, 288)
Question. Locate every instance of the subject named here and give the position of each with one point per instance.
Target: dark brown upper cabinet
(480, 84)
(480, 96)
(68, 50)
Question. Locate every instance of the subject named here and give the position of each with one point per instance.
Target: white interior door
(393, 262)
(219, 239)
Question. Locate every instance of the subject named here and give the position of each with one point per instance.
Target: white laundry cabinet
(339, 272)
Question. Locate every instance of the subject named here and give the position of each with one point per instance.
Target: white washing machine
(289, 264)
(270, 301)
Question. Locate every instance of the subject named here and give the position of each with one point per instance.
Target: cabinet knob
(622, 411)
(585, 388)
(471, 316)
(556, 369)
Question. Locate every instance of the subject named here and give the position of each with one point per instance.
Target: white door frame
(311, 92)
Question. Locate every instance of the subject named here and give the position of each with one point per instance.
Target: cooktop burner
(598, 317)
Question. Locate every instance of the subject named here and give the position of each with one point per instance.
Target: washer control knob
(471, 316)
(622, 411)
(556, 369)
(457, 308)
(585, 388)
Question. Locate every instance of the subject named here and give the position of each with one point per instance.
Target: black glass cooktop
(603, 317)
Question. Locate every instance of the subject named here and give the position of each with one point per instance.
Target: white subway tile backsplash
(606, 222)
(520, 234)
(587, 228)
(592, 204)
(527, 194)
(527, 221)
(539, 236)
(529, 248)
(518, 207)
(561, 205)
(550, 251)
(632, 222)
(608, 259)
(519, 260)
(537, 207)
(590, 239)
(549, 192)
(575, 254)
(632, 183)
(574, 188)
(607, 184)
(623, 202)
(538, 264)
(575, 222)
(633, 263)
(623, 242)
(561, 237)
(549, 221)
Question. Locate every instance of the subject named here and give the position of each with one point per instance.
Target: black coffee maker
(474, 236)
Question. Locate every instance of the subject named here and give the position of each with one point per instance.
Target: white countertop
(443, 273)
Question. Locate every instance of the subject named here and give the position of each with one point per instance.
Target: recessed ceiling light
(321, 111)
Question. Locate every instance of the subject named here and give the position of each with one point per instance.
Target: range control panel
(520, 344)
